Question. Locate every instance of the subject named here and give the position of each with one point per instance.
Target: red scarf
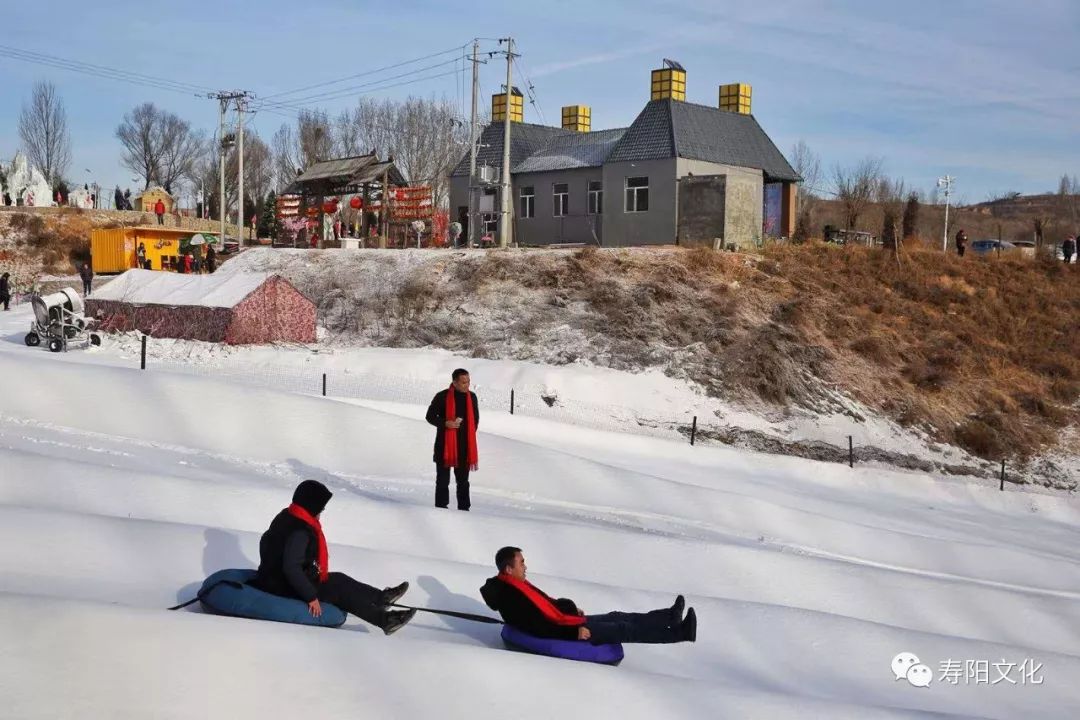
(537, 598)
(450, 441)
(324, 554)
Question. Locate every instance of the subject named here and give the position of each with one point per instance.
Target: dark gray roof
(649, 137)
(669, 128)
(575, 150)
(525, 139)
(340, 171)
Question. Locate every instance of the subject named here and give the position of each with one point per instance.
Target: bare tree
(181, 148)
(159, 146)
(258, 175)
(890, 195)
(911, 217)
(295, 148)
(140, 134)
(44, 132)
(258, 170)
(1069, 198)
(807, 164)
(424, 137)
(856, 186)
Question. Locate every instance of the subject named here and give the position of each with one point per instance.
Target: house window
(637, 194)
(596, 197)
(560, 195)
(528, 202)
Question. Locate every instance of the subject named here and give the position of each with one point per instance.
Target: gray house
(681, 173)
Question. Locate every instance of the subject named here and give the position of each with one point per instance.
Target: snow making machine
(58, 320)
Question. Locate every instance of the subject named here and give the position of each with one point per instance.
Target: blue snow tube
(567, 649)
(224, 593)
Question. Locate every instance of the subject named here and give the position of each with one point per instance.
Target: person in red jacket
(187, 263)
(529, 609)
(159, 210)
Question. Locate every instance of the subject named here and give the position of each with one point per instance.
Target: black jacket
(5, 288)
(86, 272)
(288, 555)
(518, 611)
(436, 415)
(1068, 246)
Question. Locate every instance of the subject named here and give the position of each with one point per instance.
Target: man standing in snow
(159, 210)
(529, 609)
(5, 290)
(294, 562)
(455, 413)
(86, 272)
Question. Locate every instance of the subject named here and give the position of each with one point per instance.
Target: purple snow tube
(567, 649)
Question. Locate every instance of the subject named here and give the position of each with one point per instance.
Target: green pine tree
(268, 221)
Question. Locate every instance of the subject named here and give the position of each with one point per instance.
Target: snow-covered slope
(120, 490)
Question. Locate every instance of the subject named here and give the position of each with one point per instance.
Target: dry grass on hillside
(56, 241)
(985, 351)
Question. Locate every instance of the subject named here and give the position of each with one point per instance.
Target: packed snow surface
(121, 489)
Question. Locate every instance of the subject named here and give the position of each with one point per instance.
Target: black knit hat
(312, 495)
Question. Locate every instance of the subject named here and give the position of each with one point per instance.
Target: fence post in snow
(693, 430)
(511, 401)
(850, 451)
(142, 354)
(324, 384)
(1002, 488)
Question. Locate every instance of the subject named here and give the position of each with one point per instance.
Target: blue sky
(987, 91)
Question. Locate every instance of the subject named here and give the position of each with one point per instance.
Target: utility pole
(504, 194)
(224, 98)
(946, 182)
(221, 166)
(470, 240)
(240, 197)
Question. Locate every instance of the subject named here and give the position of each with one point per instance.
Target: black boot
(677, 610)
(689, 626)
(395, 620)
(392, 594)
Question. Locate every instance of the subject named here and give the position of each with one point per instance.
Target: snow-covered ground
(646, 402)
(121, 489)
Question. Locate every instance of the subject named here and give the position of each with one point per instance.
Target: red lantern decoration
(312, 211)
(356, 203)
(329, 207)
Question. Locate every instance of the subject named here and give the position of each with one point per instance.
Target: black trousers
(442, 486)
(6, 300)
(620, 627)
(86, 286)
(353, 596)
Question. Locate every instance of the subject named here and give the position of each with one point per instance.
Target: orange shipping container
(112, 250)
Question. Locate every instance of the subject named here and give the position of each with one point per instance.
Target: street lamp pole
(946, 183)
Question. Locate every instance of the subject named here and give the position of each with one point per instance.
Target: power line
(364, 74)
(295, 111)
(101, 71)
(345, 92)
(530, 89)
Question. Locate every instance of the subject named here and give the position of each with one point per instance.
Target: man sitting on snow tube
(294, 562)
(528, 609)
